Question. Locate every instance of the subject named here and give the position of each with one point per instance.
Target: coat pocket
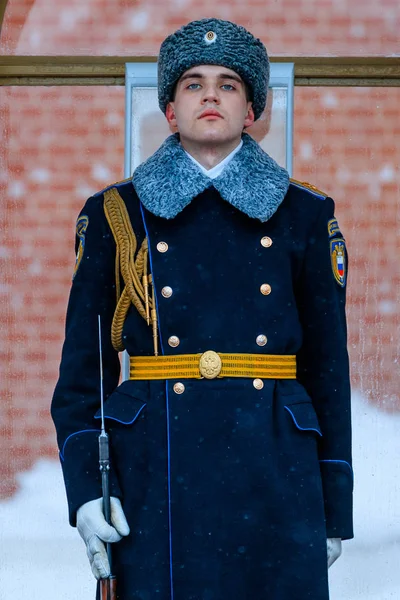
(303, 416)
(124, 405)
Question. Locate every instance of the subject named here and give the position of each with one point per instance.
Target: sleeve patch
(338, 260)
(333, 227)
(81, 227)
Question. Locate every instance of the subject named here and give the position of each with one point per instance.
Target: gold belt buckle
(210, 364)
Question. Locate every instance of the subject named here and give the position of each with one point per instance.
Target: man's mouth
(211, 113)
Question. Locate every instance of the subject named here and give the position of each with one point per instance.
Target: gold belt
(211, 364)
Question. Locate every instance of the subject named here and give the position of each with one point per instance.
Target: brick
(35, 357)
(16, 413)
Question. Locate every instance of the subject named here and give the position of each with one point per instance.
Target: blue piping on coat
(338, 461)
(62, 451)
(302, 428)
(169, 495)
(167, 407)
(119, 420)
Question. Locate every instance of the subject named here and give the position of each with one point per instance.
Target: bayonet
(107, 585)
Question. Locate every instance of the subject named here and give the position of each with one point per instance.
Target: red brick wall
(347, 143)
(59, 145)
(291, 27)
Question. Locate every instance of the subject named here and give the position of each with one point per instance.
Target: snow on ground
(369, 566)
(43, 558)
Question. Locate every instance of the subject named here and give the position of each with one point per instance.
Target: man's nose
(211, 94)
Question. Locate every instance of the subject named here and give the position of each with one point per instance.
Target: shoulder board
(311, 188)
(117, 183)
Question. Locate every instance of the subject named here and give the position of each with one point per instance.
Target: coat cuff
(80, 465)
(337, 484)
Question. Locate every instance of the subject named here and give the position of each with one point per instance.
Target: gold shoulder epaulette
(309, 187)
(112, 185)
(119, 182)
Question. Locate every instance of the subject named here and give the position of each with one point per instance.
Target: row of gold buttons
(167, 292)
(174, 341)
(265, 241)
(179, 387)
(265, 289)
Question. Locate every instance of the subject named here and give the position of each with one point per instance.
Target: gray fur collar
(252, 182)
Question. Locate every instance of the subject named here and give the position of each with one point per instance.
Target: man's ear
(170, 114)
(249, 119)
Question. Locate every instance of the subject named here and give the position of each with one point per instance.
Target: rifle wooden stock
(108, 588)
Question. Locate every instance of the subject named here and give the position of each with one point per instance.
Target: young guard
(225, 282)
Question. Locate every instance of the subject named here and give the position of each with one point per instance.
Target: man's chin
(214, 136)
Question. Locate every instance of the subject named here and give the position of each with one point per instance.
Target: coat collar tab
(252, 182)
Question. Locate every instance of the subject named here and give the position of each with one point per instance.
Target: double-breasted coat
(230, 485)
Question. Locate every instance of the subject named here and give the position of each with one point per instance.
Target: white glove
(334, 548)
(94, 530)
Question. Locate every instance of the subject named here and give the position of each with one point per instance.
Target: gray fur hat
(214, 42)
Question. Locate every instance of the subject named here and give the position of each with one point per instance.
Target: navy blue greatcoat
(230, 491)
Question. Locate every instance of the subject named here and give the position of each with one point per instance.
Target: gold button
(210, 36)
(174, 341)
(265, 289)
(266, 242)
(166, 292)
(179, 388)
(261, 340)
(162, 246)
(258, 384)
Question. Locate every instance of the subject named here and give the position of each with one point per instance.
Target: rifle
(108, 586)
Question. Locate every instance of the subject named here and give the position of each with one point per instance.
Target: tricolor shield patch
(338, 259)
(81, 226)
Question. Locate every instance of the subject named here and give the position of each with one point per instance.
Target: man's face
(210, 105)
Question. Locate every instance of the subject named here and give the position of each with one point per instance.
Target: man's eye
(227, 86)
(193, 86)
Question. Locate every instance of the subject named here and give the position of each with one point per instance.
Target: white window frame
(144, 75)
